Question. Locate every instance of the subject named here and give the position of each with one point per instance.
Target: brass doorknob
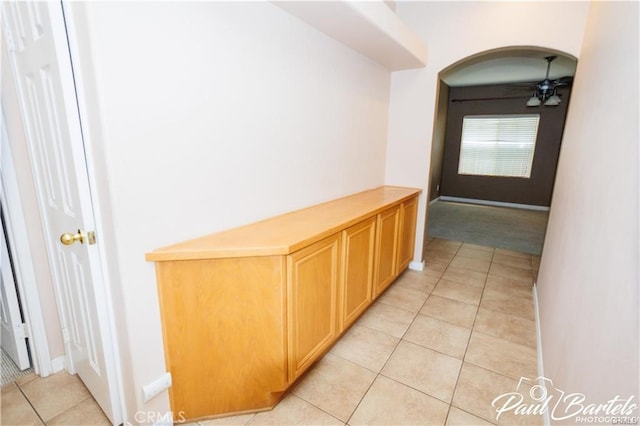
(67, 238)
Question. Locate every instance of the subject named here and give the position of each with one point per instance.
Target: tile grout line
(30, 404)
(385, 363)
(400, 339)
(455, 388)
(448, 264)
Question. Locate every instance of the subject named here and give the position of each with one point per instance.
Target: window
(498, 145)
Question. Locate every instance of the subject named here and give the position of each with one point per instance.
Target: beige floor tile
(414, 280)
(445, 244)
(471, 263)
(458, 291)
(392, 403)
(509, 287)
(439, 335)
(477, 388)
(478, 247)
(535, 262)
(518, 274)
(55, 394)
(403, 298)
(294, 411)
(508, 327)
(9, 387)
(439, 255)
(465, 276)
(501, 356)
(387, 318)
(240, 420)
(449, 310)
(424, 369)
(535, 268)
(457, 417)
(514, 261)
(15, 409)
(366, 347)
(335, 385)
(513, 253)
(23, 380)
(506, 304)
(509, 417)
(434, 268)
(87, 412)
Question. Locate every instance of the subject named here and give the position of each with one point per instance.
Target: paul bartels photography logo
(541, 397)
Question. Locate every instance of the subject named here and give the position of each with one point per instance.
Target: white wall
(24, 176)
(204, 116)
(588, 281)
(453, 31)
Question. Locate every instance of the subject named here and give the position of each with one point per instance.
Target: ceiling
(508, 67)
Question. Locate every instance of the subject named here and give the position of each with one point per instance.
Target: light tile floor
(435, 349)
(60, 399)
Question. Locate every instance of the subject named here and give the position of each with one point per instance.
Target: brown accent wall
(503, 99)
(437, 146)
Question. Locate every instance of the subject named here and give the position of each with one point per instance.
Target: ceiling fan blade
(564, 81)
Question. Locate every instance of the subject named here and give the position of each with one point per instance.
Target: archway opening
(488, 186)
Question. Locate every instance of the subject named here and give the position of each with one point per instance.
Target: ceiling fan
(547, 90)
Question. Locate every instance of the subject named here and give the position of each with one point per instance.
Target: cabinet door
(313, 274)
(408, 214)
(386, 248)
(358, 244)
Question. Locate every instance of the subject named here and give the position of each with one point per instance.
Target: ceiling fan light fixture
(534, 101)
(553, 100)
(547, 90)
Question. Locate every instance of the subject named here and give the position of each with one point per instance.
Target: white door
(14, 341)
(41, 64)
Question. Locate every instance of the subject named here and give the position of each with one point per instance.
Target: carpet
(500, 227)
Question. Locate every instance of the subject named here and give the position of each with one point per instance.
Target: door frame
(23, 261)
(97, 256)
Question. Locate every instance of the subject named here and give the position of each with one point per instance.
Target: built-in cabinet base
(240, 329)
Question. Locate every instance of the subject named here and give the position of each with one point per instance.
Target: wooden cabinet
(224, 333)
(358, 244)
(406, 237)
(246, 311)
(312, 287)
(386, 248)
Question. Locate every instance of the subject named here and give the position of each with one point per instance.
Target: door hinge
(65, 335)
(10, 40)
(21, 331)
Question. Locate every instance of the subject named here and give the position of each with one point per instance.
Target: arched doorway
(496, 86)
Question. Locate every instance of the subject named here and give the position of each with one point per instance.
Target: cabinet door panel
(358, 251)
(408, 214)
(386, 248)
(311, 292)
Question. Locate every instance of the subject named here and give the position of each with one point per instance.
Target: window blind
(498, 145)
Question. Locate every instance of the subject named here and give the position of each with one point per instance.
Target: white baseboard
(416, 266)
(434, 200)
(58, 364)
(494, 203)
(546, 420)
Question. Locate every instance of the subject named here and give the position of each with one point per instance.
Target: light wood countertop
(284, 234)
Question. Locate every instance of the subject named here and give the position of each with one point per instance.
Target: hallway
(435, 349)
